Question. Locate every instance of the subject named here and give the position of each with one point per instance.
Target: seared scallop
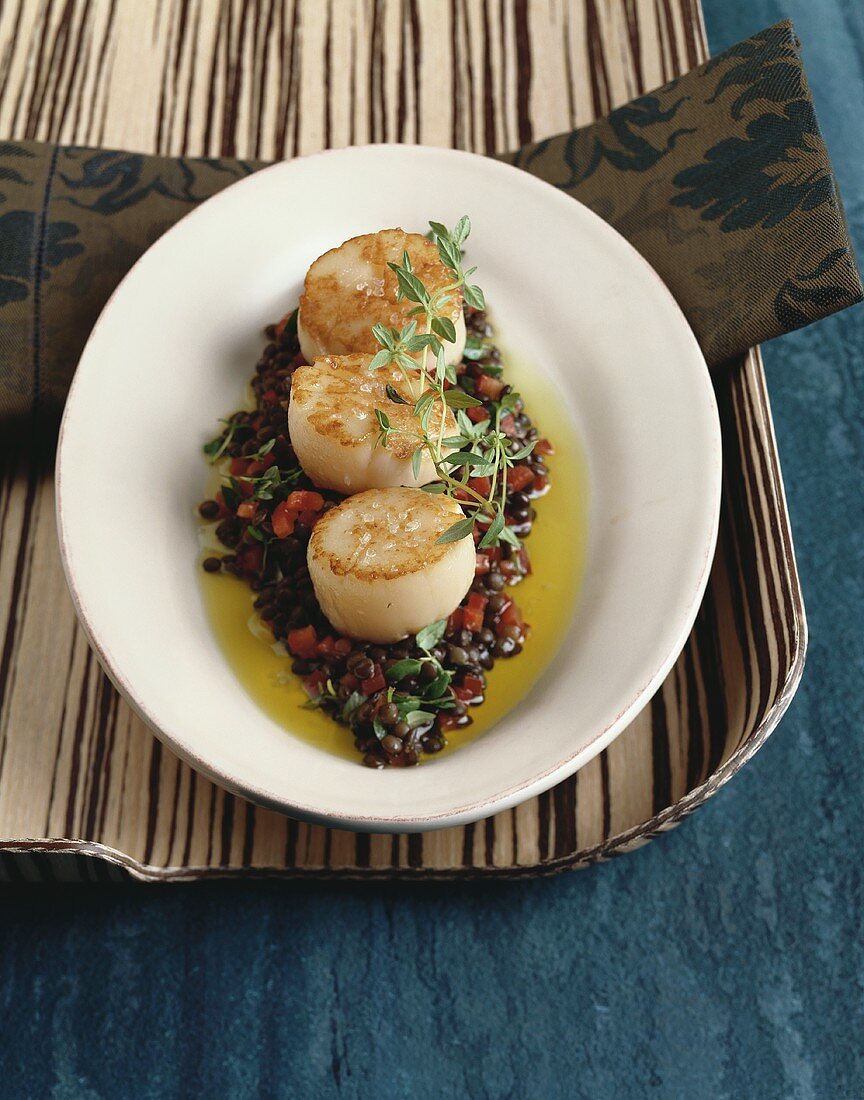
(350, 288)
(334, 430)
(378, 570)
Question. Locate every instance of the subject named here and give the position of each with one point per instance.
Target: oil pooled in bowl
(547, 597)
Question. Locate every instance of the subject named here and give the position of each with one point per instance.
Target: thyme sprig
(273, 484)
(482, 450)
(419, 709)
(235, 432)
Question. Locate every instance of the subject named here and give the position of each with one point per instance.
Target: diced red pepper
(308, 517)
(511, 616)
(326, 646)
(283, 520)
(463, 694)
(476, 413)
(376, 682)
(519, 478)
(447, 722)
(257, 468)
(247, 509)
(482, 565)
(343, 647)
(454, 620)
(239, 466)
(490, 387)
(473, 684)
(543, 447)
(509, 568)
(303, 642)
(541, 484)
(313, 682)
(305, 500)
(472, 621)
(350, 681)
(269, 397)
(472, 614)
(481, 485)
(223, 507)
(494, 554)
(508, 424)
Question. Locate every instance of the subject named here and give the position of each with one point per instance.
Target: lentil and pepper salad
(401, 700)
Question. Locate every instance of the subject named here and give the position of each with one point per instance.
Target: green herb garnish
(431, 635)
(402, 669)
(233, 433)
(481, 450)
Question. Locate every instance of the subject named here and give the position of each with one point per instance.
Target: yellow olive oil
(547, 597)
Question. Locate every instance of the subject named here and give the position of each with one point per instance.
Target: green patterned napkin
(720, 179)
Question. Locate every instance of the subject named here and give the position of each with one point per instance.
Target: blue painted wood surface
(725, 960)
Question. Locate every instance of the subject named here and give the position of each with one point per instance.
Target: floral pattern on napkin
(722, 181)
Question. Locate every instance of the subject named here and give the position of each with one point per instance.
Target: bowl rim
(482, 807)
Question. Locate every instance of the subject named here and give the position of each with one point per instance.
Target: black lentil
(388, 715)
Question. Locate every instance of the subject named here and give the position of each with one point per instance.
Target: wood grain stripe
(523, 71)
(11, 635)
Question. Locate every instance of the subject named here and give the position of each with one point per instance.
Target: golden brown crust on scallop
(384, 533)
(353, 392)
(350, 288)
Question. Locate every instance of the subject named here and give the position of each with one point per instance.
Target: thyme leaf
(431, 635)
(458, 531)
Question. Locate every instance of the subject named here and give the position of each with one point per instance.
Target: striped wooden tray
(80, 776)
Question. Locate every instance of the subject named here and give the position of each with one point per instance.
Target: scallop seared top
(383, 534)
(334, 430)
(378, 569)
(350, 288)
(340, 396)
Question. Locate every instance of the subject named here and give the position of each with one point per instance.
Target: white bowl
(169, 356)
